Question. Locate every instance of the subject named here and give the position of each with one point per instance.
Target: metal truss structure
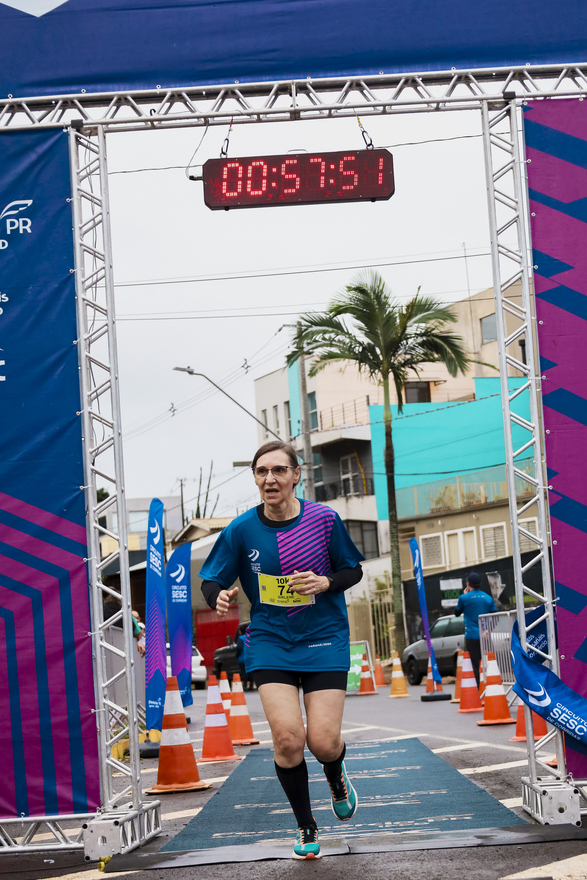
(124, 822)
(328, 98)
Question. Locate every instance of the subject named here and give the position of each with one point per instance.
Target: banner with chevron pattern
(556, 150)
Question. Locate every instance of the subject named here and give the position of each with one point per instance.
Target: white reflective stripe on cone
(214, 694)
(238, 710)
(173, 704)
(216, 720)
(175, 736)
(398, 674)
(237, 687)
(493, 668)
(468, 683)
(494, 690)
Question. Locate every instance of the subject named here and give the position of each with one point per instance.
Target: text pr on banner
(419, 575)
(178, 589)
(156, 654)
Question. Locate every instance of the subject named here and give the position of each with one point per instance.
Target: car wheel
(414, 674)
(199, 685)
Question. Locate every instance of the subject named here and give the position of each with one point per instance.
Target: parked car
(448, 638)
(199, 673)
(225, 658)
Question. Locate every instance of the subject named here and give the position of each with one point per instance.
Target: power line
(278, 273)
(461, 137)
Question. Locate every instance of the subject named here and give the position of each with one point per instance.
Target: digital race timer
(302, 178)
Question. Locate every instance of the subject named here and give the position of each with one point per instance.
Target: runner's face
(275, 491)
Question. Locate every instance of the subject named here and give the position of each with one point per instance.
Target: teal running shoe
(344, 796)
(306, 845)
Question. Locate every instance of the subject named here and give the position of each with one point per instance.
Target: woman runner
(294, 560)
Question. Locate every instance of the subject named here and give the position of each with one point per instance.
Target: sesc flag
(156, 655)
(178, 589)
(419, 575)
(542, 690)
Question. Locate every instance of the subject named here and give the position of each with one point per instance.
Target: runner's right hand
(223, 601)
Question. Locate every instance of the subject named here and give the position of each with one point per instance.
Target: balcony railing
(346, 489)
(461, 492)
(353, 412)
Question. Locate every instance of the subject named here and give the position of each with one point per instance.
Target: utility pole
(309, 492)
(181, 501)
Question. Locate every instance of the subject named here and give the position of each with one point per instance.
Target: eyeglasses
(279, 471)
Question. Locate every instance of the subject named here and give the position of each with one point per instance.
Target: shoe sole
(305, 858)
(352, 814)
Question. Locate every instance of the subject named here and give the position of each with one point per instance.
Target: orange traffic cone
(481, 681)
(217, 745)
(239, 721)
(538, 723)
(470, 701)
(177, 770)
(225, 695)
(399, 687)
(431, 685)
(367, 685)
(496, 705)
(457, 696)
(379, 676)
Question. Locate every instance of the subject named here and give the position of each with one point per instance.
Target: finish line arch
(85, 116)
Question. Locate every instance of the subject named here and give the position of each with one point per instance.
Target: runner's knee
(289, 747)
(326, 745)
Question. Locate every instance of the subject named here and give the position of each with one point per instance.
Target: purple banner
(556, 139)
(49, 742)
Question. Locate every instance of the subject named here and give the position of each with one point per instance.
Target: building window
(432, 551)
(488, 329)
(351, 482)
(276, 419)
(526, 544)
(287, 418)
(313, 410)
(417, 392)
(264, 420)
(494, 541)
(364, 537)
(461, 547)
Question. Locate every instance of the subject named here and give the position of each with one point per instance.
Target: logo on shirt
(253, 555)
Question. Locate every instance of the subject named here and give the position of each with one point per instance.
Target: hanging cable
(226, 144)
(187, 167)
(366, 135)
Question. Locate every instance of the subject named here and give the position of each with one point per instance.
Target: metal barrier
(495, 632)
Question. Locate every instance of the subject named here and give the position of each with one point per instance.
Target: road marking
(512, 802)
(473, 771)
(182, 814)
(463, 747)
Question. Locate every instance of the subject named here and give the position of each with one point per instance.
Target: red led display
(298, 179)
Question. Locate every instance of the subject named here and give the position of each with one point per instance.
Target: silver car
(448, 638)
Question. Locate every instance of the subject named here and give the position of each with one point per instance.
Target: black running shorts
(329, 680)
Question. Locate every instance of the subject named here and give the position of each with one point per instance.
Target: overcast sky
(163, 233)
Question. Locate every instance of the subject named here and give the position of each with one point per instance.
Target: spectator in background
(240, 649)
(473, 602)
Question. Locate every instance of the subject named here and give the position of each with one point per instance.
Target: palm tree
(390, 342)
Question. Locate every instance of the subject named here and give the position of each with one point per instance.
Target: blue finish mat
(402, 787)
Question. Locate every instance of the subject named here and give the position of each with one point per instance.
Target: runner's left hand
(306, 583)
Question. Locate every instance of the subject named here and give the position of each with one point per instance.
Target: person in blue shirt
(472, 603)
(294, 559)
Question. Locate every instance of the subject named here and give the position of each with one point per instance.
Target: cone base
(457, 700)
(480, 709)
(497, 721)
(179, 786)
(367, 694)
(434, 697)
(218, 759)
(249, 741)
(397, 696)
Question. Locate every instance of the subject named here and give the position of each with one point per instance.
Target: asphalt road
(482, 753)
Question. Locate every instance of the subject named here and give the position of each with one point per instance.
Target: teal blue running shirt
(307, 638)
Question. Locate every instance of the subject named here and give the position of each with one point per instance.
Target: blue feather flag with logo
(178, 591)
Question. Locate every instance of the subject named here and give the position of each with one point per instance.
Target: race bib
(275, 591)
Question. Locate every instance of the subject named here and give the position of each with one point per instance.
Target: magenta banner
(556, 140)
